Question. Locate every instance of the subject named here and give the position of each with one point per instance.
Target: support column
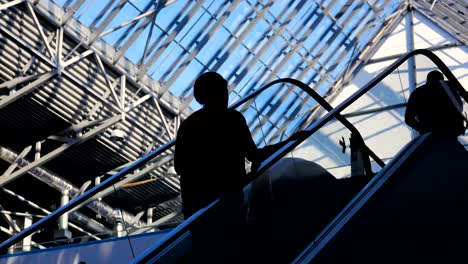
(149, 218)
(24, 223)
(409, 48)
(25, 244)
(411, 61)
(63, 232)
(119, 228)
(11, 249)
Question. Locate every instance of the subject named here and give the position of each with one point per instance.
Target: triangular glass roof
(249, 42)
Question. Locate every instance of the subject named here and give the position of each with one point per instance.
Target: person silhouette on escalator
(435, 107)
(211, 148)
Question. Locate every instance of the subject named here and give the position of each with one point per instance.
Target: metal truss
(61, 184)
(121, 104)
(122, 98)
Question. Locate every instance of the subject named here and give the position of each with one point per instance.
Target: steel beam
(156, 223)
(39, 29)
(48, 61)
(70, 11)
(170, 38)
(130, 22)
(10, 84)
(11, 233)
(9, 220)
(77, 58)
(28, 88)
(14, 164)
(97, 31)
(135, 35)
(110, 86)
(432, 48)
(4, 179)
(134, 176)
(232, 47)
(75, 216)
(10, 4)
(163, 118)
(61, 184)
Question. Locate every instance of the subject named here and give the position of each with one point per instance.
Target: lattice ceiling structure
(73, 73)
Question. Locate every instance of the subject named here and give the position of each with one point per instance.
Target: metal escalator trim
(156, 250)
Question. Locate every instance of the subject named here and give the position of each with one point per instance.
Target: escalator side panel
(418, 215)
(296, 207)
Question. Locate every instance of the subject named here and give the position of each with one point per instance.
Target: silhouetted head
(210, 89)
(434, 77)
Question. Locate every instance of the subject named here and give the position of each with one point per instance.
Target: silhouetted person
(430, 108)
(211, 148)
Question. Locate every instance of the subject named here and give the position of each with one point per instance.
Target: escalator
(297, 195)
(304, 221)
(280, 214)
(415, 212)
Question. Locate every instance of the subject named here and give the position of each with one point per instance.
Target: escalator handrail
(121, 174)
(312, 128)
(322, 102)
(151, 252)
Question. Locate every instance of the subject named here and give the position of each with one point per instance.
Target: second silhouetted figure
(436, 107)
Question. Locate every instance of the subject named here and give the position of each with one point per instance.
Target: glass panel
(127, 13)
(90, 10)
(330, 148)
(300, 194)
(379, 114)
(292, 28)
(276, 112)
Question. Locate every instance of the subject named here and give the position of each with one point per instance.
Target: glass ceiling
(249, 42)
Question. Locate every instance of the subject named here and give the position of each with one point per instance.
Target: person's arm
(258, 155)
(263, 153)
(411, 112)
(180, 155)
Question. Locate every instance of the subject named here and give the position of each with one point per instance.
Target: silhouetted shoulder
(235, 114)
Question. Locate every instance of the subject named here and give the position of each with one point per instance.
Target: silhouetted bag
(459, 108)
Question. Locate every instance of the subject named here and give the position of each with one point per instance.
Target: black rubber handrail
(148, 255)
(121, 174)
